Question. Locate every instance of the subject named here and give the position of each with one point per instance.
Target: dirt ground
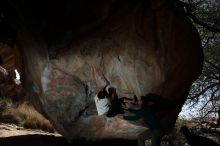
(12, 135)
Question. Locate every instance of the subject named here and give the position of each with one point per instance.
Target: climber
(102, 101)
(116, 104)
(129, 102)
(108, 103)
(146, 112)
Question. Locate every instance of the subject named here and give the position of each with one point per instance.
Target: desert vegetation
(23, 114)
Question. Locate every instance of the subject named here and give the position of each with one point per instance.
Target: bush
(181, 122)
(5, 103)
(24, 115)
(176, 137)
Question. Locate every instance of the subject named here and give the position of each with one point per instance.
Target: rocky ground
(12, 135)
(8, 130)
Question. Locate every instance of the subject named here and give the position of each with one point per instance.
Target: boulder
(138, 46)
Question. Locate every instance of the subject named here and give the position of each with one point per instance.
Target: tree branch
(208, 112)
(205, 25)
(209, 100)
(209, 38)
(204, 90)
(212, 64)
(195, 19)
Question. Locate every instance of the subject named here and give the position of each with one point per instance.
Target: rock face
(138, 46)
(11, 60)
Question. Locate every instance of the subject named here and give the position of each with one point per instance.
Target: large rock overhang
(70, 48)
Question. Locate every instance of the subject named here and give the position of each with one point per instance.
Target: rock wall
(137, 46)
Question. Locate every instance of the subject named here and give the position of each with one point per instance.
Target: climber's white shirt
(102, 105)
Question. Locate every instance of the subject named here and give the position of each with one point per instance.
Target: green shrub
(180, 123)
(5, 103)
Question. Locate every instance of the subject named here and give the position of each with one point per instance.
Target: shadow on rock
(48, 140)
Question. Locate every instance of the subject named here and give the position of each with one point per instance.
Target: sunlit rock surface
(138, 46)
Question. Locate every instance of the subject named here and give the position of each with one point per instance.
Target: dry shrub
(25, 115)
